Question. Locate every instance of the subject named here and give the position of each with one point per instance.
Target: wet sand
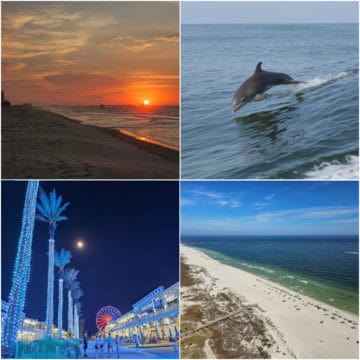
(42, 145)
(306, 327)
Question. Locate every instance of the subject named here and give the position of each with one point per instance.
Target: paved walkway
(132, 353)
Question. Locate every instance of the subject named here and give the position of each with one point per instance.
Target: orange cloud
(67, 51)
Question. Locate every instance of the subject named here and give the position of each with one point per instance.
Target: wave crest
(336, 169)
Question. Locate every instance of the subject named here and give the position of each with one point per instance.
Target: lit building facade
(154, 317)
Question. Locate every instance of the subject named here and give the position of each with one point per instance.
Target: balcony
(171, 310)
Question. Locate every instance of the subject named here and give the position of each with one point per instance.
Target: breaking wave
(335, 169)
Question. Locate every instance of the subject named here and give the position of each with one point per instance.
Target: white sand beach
(310, 328)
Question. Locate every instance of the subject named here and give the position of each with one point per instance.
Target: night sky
(130, 231)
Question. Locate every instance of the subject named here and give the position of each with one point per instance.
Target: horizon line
(275, 23)
(97, 104)
(357, 234)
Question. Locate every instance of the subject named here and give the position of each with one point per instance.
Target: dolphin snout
(237, 107)
(237, 104)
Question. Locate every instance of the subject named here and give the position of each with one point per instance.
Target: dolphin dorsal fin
(258, 67)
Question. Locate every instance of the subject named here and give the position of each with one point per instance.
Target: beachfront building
(30, 329)
(155, 317)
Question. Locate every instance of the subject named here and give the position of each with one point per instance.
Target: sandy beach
(43, 145)
(304, 327)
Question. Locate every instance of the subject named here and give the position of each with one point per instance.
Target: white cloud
(307, 213)
(187, 202)
(353, 220)
(260, 205)
(269, 197)
(235, 204)
(218, 199)
(209, 194)
(222, 202)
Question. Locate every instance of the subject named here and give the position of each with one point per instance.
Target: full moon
(80, 244)
(146, 102)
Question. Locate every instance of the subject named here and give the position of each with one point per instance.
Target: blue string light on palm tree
(69, 279)
(50, 210)
(61, 259)
(21, 273)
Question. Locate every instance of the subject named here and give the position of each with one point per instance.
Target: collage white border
(180, 180)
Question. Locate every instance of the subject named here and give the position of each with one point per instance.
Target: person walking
(109, 340)
(117, 344)
(102, 344)
(97, 345)
(136, 342)
(85, 343)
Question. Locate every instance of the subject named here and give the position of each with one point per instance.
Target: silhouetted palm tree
(50, 211)
(61, 260)
(70, 278)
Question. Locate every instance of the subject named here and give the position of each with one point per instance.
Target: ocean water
(299, 131)
(323, 267)
(159, 123)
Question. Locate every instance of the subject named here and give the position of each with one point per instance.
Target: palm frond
(79, 309)
(75, 286)
(44, 201)
(40, 208)
(58, 201)
(59, 210)
(49, 207)
(52, 198)
(62, 258)
(41, 218)
(70, 277)
(77, 293)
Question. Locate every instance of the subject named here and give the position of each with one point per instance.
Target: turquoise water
(323, 267)
(299, 131)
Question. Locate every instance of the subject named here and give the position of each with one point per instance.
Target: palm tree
(70, 278)
(61, 260)
(50, 211)
(74, 288)
(81, 327)
(21, 273)
(77, 294)
(80, 315)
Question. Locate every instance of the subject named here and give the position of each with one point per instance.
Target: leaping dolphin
(255, 86)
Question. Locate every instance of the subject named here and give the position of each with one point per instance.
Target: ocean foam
(258, 267)
(336, 170)
(303, 281)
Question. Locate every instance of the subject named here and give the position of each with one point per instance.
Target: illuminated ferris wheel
(105, 315)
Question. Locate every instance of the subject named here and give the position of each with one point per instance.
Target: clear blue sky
(219, 12)
(269, 208)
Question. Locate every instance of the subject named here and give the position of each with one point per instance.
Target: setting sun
(146, 102)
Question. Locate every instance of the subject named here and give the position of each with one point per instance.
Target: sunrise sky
(90, 52)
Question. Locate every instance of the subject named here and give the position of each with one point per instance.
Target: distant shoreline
(123, 131)
(151, 146)
(311, 328)
(43, 144)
